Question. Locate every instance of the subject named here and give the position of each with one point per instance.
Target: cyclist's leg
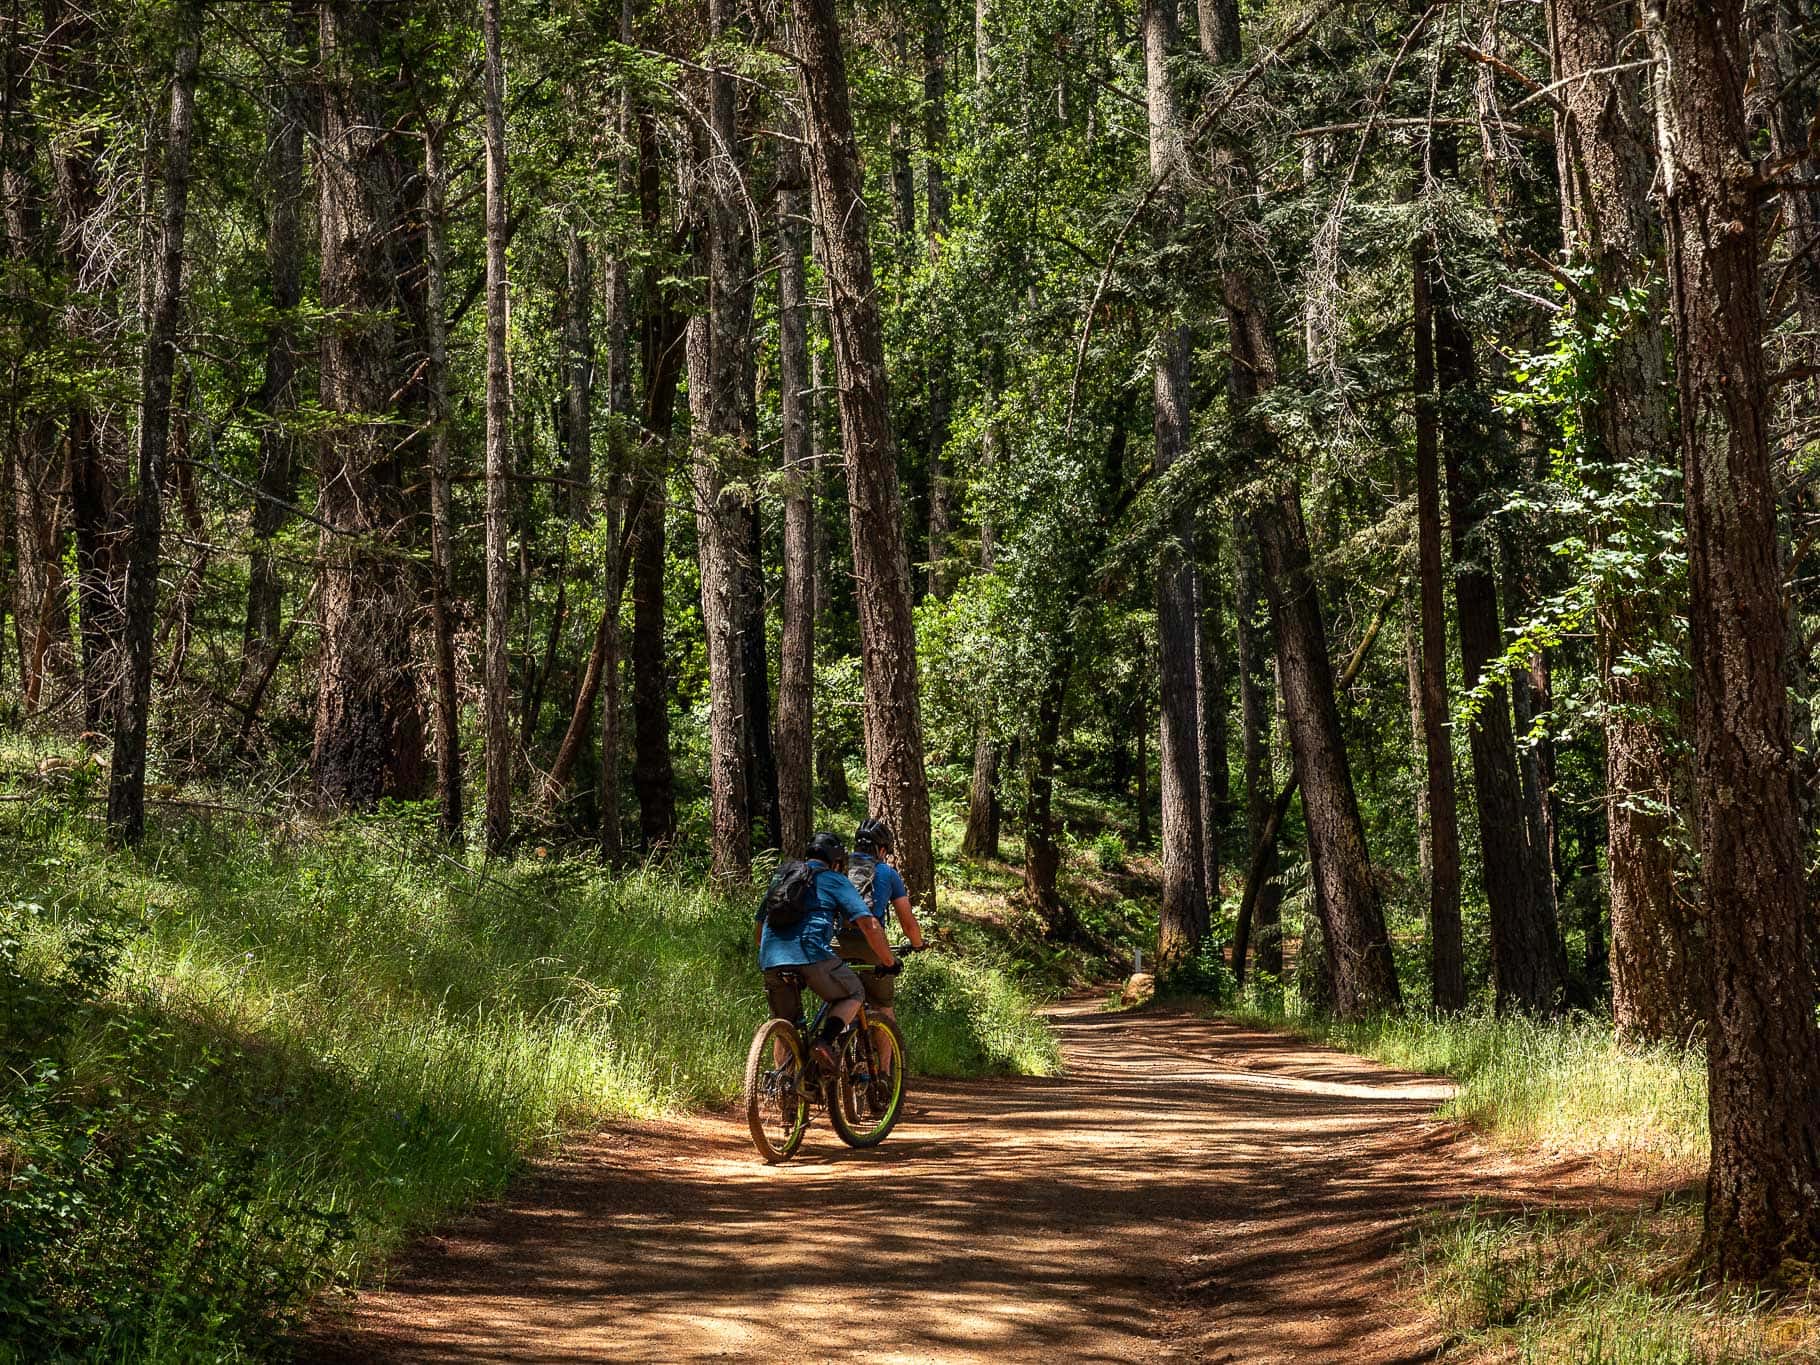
(784, 994)
(838, 984)
(881, 995)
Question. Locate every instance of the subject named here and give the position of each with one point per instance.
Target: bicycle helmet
(873, 836)
(825, 846)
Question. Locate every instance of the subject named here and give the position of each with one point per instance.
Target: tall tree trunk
(1607, 158)
(33, 488)
(126, 784)
(796, 664)
(1260, 782)
(893, 715)
(1364, 974)
(1219, 29)
(984, 808)
(369, 733)
(1210, 717)
(496, 689)
(1446, 954)
(717, 369)
(1183, 919)
(661, 349)
(442, 521)
(1526, 960)
(935, 211)
(619, 511)
(1042, 852)
(96, 465)
(284, 250)
(830, 485)
(1763, 1047)
(1358, 943)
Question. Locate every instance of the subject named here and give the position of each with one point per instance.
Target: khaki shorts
(833, 980)
(881, 988)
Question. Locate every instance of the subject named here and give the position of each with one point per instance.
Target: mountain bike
(864, 1093)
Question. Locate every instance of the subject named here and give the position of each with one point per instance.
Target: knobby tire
(777, 1107)
(864, 1112)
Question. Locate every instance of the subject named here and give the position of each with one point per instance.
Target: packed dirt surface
(1189, 1190)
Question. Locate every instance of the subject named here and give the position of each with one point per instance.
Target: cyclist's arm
(907, 917)
(875, 940)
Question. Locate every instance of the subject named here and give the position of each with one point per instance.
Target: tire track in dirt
(1189, 1190)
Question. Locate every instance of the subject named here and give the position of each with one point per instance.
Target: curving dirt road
(1190, 1190)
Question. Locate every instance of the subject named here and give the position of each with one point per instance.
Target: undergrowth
(1596, 1287)
(1560, 1084)
(240, 1066)
(1607, 1286)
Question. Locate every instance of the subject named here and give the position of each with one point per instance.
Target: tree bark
(126, 785)
(369, 733)
(661, 352)
(1254, 710)
(496, 690)
(796, 664)
(1607, 159)
(1526, 959)
(1210, 717)
(442, 522)
(716, 374)
(284, 250)
(1763, 1048)
(1446, 953)
(935, 210)
(33, 486)
(1183, 917)
(97, 467)
(893, 716)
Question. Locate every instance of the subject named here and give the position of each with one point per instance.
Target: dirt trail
(1188, 1191)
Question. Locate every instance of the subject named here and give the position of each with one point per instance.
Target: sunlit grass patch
(1594, 1288)
(249, 1060)
(1563, 1084)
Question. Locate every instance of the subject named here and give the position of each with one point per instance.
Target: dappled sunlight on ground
(1188, 1190)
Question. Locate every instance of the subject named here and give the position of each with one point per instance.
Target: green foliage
(1559, 1083)
(249, 1063)
(1595, 1288)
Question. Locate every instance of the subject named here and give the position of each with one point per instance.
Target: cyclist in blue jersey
(804, 951)
(883, 887)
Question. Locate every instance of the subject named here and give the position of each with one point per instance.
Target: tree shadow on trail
(1157, 1200)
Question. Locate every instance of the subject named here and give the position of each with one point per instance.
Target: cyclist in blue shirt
(883, 886)
(804, 952)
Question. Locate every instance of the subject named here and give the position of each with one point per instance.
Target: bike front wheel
(777, 1106)
(868, 1086)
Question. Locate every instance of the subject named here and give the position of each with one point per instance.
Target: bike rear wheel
(868, 1087)
(777, 1107)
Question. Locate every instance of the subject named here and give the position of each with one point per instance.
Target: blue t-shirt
(811, 938)
(887, 886)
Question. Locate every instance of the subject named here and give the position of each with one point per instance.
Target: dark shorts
(833, 980)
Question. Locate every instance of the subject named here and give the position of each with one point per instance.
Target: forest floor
(1190, 1189)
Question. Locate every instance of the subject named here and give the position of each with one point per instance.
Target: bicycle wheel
(869, 1085)
(777, 1109)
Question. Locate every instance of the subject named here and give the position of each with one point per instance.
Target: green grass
(1560, 1084)
(245, 1063)
(1603, 1286)
(1595, 1288)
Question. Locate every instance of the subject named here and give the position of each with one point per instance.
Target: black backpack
(790, 896)
(860, 871)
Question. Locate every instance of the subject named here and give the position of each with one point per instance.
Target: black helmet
(873, 836)
(825, 846)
